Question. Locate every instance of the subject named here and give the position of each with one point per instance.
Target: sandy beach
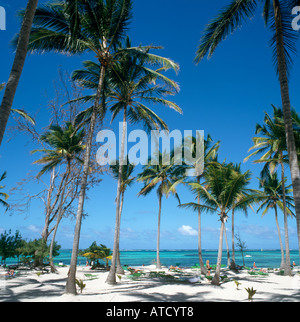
(32, 287)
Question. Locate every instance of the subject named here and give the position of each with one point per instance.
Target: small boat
(248, 256)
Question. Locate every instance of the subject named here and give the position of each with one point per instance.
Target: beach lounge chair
(135, 276)
(90, 277)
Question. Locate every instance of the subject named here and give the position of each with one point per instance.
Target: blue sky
(224, 96)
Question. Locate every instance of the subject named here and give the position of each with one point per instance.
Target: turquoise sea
(186, 258)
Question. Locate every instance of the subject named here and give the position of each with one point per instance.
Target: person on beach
(207, 265)
(10, 273)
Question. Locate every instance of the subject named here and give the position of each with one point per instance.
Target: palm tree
(164, 178)
(219, 193)
(271, 198)
(17, 67)
(3, 196)
(133, 84)
(126, 181)
(210, 154)
(277, 17)
(245, 193)
(272, 144)
(75, 27)
(66, 144)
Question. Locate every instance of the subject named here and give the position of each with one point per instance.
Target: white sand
(29, 287)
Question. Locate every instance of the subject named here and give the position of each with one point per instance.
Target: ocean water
(185, 258)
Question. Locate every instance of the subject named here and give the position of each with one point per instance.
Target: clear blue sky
(224, 96)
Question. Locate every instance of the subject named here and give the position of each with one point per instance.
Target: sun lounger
(90, 276)
(135, 276)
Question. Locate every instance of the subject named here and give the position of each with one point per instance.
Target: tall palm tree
(165, 179)
(210, 154)
(3, 196)
(17, 68)
(126, 181)
(277, 17)
(245, 193)
(272, 198)
(74, 27)
(65, 144)
(272, 144)
(133, 86)
(222, 187)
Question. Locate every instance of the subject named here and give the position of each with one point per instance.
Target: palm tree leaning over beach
(75, 27)
(272, 198)
(65, 144)
(17, 68)
(271, 144)
(219, 193)
(278, 18)
(133, 85)
(3, 196)
(126, 181)
(165, 178)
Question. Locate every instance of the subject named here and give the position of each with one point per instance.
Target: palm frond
(24, 114)
(226, 22)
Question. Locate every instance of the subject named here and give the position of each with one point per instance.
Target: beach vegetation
(37, 251)
(9, 245)
(237, 284)
(80, 284)
(251, 292)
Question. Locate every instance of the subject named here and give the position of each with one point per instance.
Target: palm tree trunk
(17, 67)
(287, 268)
(158, 264)
(227, 247)
(233, 264)
(282, 265)
(202, 267)
(120, 269)
(286, 106)
(111, 278)
(71, 285)
(216, 278)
